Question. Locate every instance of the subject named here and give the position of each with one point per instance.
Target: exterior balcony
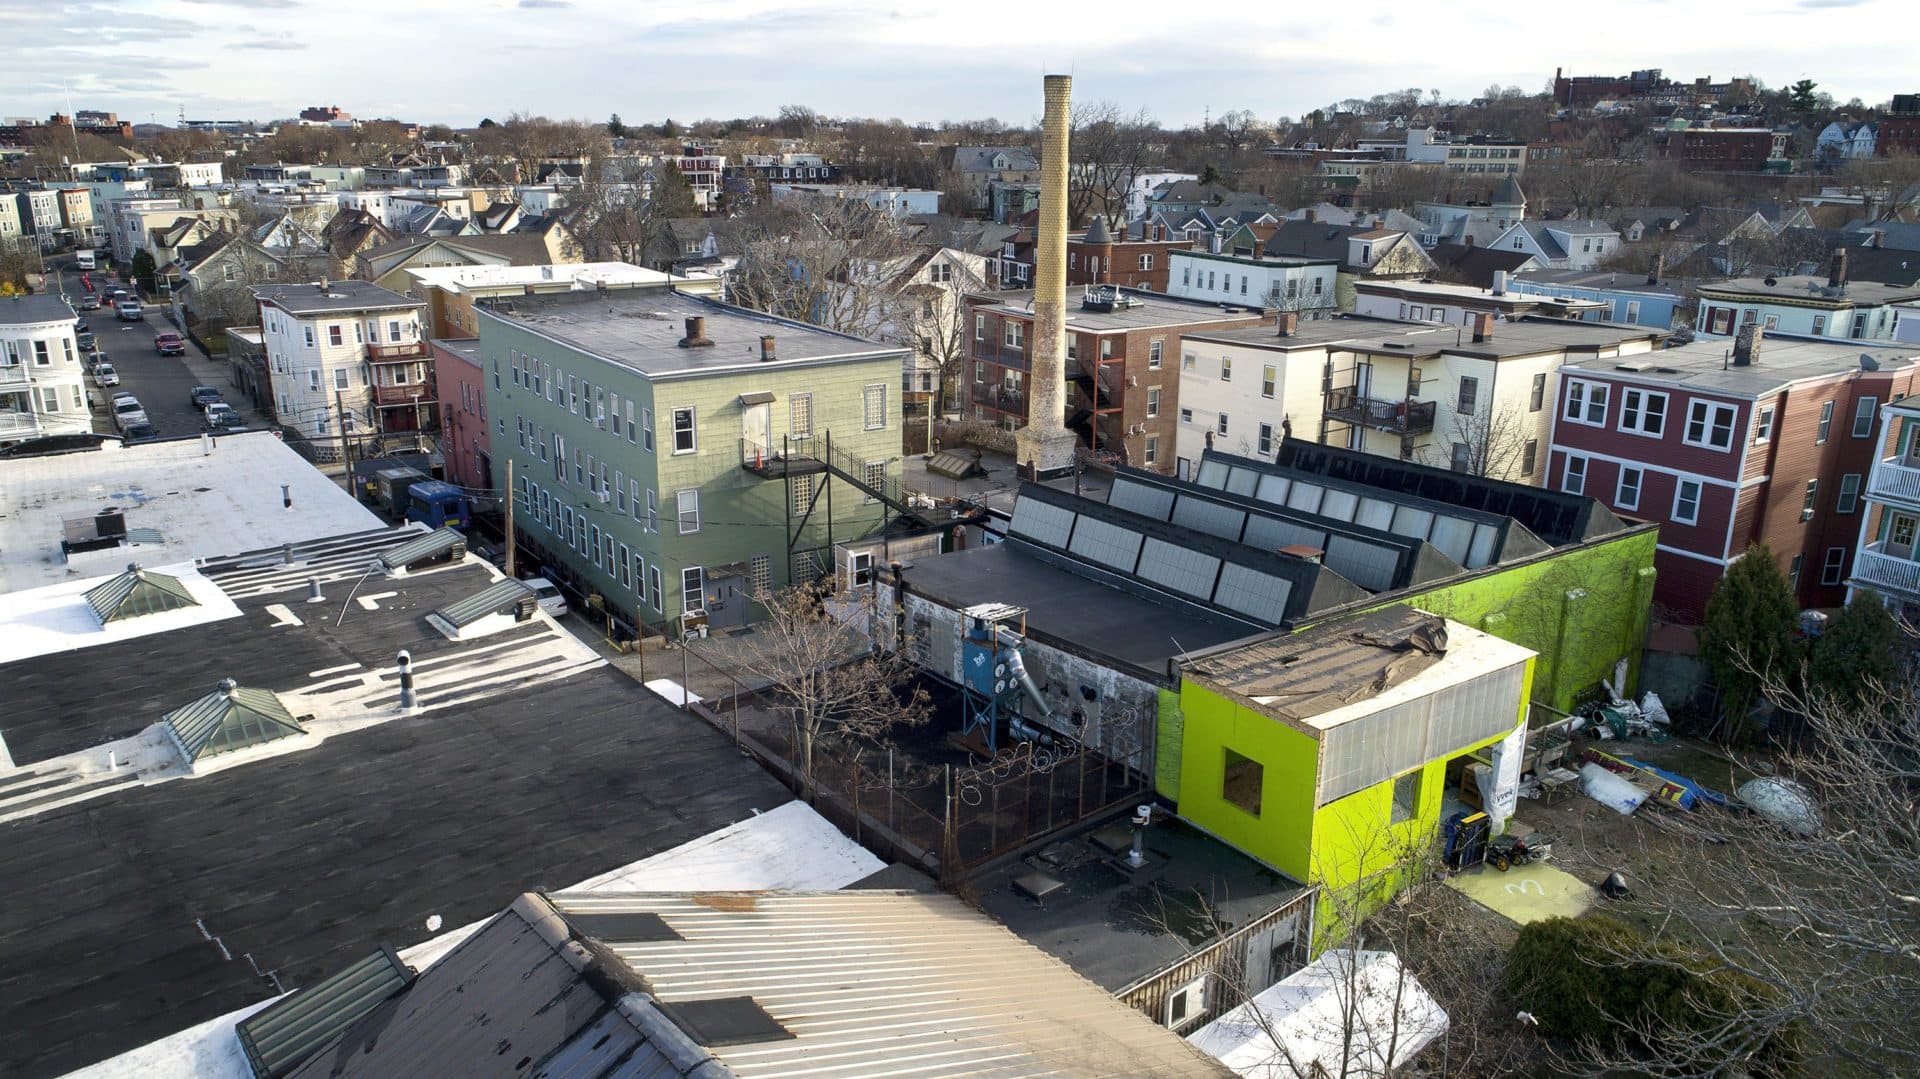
(1393, 417)
(1895, 479)
(410, 393)
(15, 375)
(1887, 570)
(791, 457)
(15, 424)
(410, 352)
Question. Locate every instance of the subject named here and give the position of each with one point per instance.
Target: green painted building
(1325, 754)
(675, 455)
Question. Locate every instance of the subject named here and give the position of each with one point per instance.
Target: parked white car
(548, 595)
(106, 375)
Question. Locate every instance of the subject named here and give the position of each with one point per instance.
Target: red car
(169, 344)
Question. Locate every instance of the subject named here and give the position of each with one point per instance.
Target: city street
(162, 383)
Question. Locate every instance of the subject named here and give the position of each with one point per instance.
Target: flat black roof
(295, 862)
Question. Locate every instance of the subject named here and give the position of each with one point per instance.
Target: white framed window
(1810, 500)
(339, 378)
(309, 335)
(1154, 349)
(1269, 380)
(1763, 424)
(1146, 262)
(685, 439)
(687, 510)
(1574, 481)
(313, 379)
(1187, 361)
(1266, 439)
(1849, 497)
(653, 587)
(979, 327)
(1186, 415)
(653, 511)
(1220, 425)
(1686, 502)
(1626, 495)
(393, 331)
(1015, 334)
(875, 473)
(693, 589)
(1642, 412)
(1710, 425)
(1863, 411)
(1186, 1003)
(1226, 369)
(1151, 455)
(1586, 403)
(335, 336)
(1153, 402)
(1833, 567)
(1826, 423)
(873, 406)
(1529, 456)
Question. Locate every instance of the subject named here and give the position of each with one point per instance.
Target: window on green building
(1243, 779)
(1406, 796)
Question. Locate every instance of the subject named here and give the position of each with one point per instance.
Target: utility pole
(510, 520)
(346, 448)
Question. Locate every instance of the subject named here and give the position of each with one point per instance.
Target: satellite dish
(433, 923)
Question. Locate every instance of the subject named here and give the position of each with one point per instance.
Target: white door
(756, 431)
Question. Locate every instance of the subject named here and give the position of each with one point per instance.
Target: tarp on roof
(278, 1038)
(137, 592)
(229, 718)
(1301, 1026)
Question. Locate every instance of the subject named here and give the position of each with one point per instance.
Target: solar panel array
(1239, 586)
(1372, 564)
(1468, 538)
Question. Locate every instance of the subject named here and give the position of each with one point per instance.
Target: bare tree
(1109, 149)
(1817, 909)
(1490, 442)
(832, 262)
(815, 653)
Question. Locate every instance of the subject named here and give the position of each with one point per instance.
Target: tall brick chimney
(1837, 268)
(1044, 447)
(1746, 345)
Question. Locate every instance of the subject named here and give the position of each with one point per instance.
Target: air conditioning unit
(1133, 381)
(605, 496)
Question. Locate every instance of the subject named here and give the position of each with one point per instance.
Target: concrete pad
(1525, 893)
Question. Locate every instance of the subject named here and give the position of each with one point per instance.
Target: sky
(914, 60)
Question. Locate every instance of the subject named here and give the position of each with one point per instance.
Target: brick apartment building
(1123, 363)
(1135, 259)
(1732, 149)
(1769, 441)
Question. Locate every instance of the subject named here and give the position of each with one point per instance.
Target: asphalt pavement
(162, 383)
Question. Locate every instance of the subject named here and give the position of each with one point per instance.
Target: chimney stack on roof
(1746, 346)
(766, 348)
(1045, 446)
(696, 333)
(1659, 268)
(1482, 326)
(1837, 269)
(1287, 323)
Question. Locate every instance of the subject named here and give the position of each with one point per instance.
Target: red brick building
(1099, 258)
(465, 441)
(1769, 442)
(1897, 134)
(1123, 365)
(1734, 149)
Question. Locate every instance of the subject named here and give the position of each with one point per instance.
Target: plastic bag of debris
(1612, 791)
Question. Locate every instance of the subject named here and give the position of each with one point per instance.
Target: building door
(756, 430)
(1900, 533)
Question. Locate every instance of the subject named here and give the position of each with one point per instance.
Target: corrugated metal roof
(137, 592)
(497, 597)
(893, 983)
(432, 545)
(277, 1039)
(231, 717)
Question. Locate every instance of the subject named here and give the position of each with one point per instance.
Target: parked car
(547, 594)
(169, 344)
(127, 412)
(129, 311)
(106, 375)
(90, 302)
(140, 432)
(222, 419)
(84, 338)
(201, 397)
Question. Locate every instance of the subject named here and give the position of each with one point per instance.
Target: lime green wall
(1578, 639)
(1167, 731)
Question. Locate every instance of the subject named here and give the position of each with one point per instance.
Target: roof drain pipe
(408, 704)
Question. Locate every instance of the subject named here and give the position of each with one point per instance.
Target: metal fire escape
(795, 459)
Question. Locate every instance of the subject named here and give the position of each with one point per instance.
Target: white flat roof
(202, 503)
(582, 274)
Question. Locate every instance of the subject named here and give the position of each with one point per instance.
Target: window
(1849, 498)
(339, 378)
(1266, 438)
(1627, 495)
(1575, 480)
(940, 273)
(875, 475)
(653, 512)
(693, 590)
(1633, 312)
(979, 327)
(1586, 403)
(393, 330)
(1772, 323)
(1462, 457)
(1406, 797)
(1226, 369)
(687, 506)
(1269, 376)
(1186, 415)
(1153, 402)
(1241, 782)
(1537, 397)
(1187, 361)
(1642, 412)
(802, 488)
(1710, 425)
(1826, 423)
(1763, 424)
(873, 406)
(1529, 456)
(1154, 348)
(1809, 500)
(653, 587)
(1819, 325)
(1793, 571)
(1152, 454)
(1221, 425)
(1833, 568)
(593, 543)
(41, 356)
(800, 415)
(1146, 262)
(1187, 1002)
(1686, 502)
(1863, 412)
(1016, 334)
(646, 429)
(334, 336)
(1469, 401)
(684, 440)
(309, 333)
